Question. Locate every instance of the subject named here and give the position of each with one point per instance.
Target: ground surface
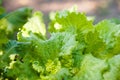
(100, 9)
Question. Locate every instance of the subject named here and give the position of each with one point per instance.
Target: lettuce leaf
(114, 69)
(91, 68)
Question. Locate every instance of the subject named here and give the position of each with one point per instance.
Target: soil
(100, 9)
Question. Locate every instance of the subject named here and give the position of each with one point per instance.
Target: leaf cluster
(76, 49)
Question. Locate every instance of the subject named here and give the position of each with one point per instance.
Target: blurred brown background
(100, 9)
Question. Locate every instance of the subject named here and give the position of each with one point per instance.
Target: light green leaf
(70, 20)
(34, 26)
(114, 69)
(91, 69)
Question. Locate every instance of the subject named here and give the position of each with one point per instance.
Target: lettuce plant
(76, 50)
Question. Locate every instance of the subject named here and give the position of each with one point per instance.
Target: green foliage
(76, 49)
(10, 24)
